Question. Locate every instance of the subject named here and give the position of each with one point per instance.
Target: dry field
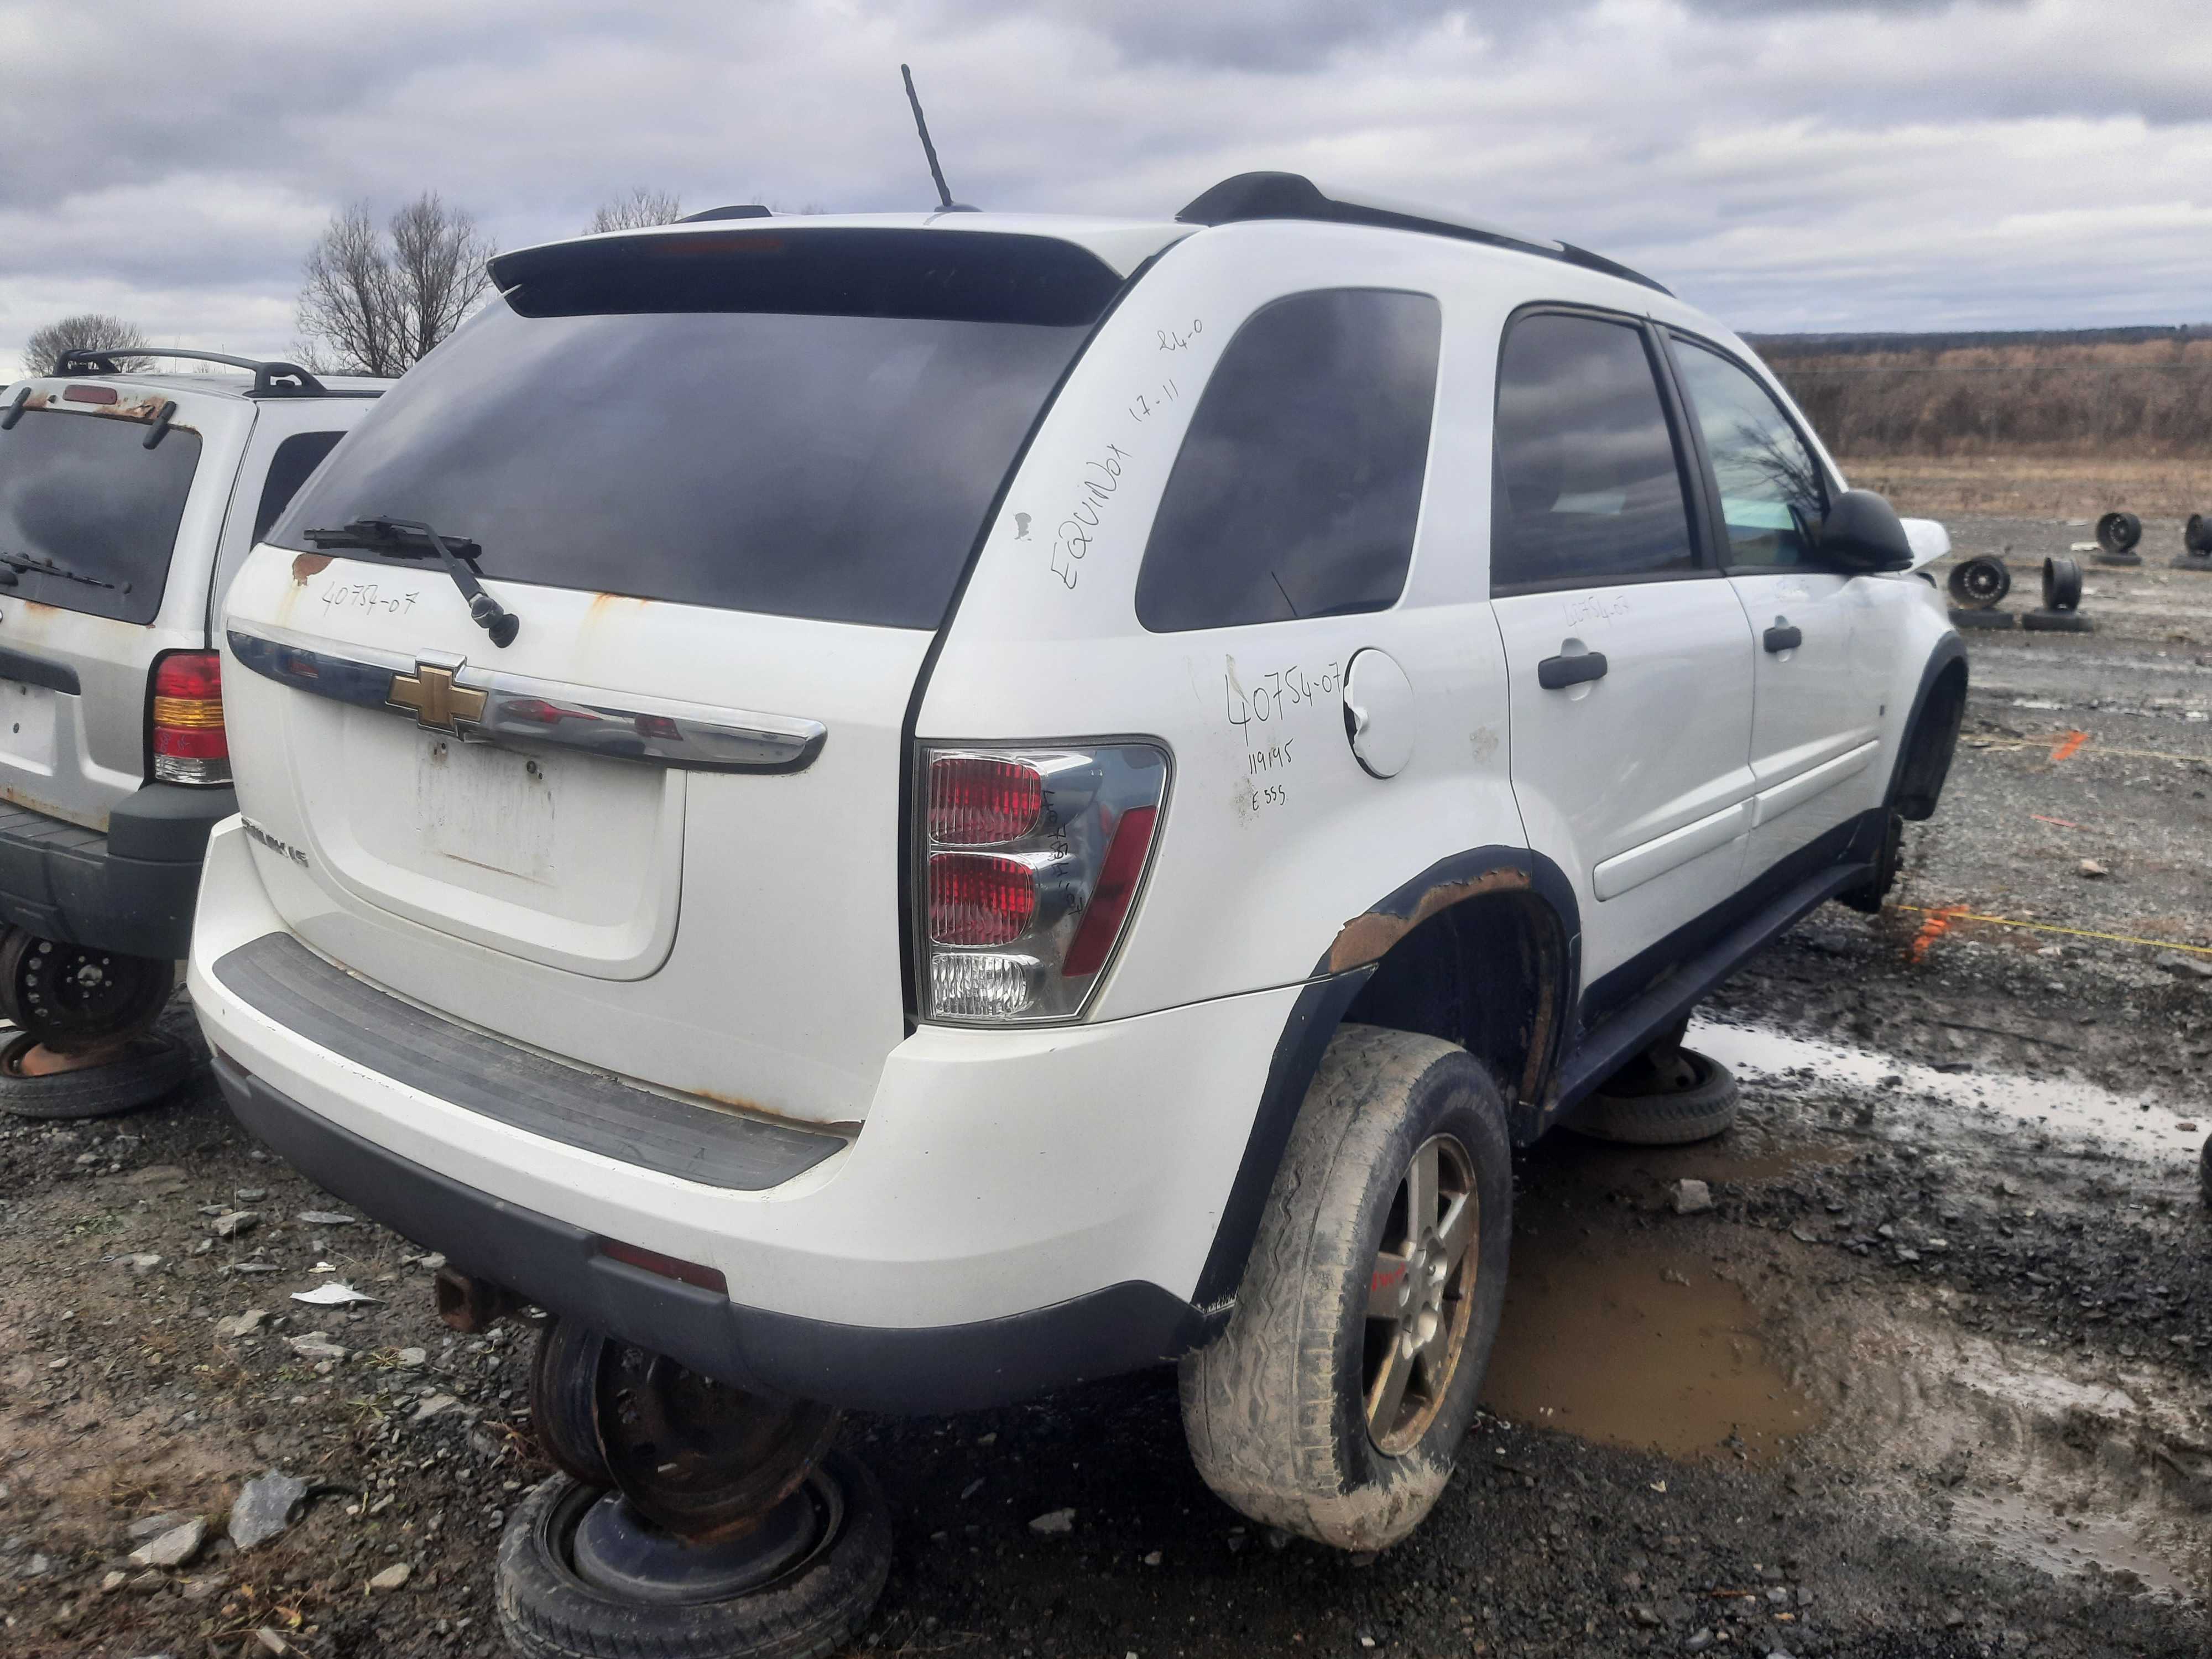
(2072, 487)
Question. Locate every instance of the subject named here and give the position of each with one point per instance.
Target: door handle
(1783, 639)
(1557, 673)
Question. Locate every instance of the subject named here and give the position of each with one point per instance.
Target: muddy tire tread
(548, 1613)
(1258, 1411)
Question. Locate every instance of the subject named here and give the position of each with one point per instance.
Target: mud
(1642, 1348)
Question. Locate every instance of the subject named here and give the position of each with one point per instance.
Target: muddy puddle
(1620, 1342)
(1703, 1340)
(2063, 1108)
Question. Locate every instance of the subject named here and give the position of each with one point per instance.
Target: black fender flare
(1338, 976)
(1948, 649)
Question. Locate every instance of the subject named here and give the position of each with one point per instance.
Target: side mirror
(1864, 532)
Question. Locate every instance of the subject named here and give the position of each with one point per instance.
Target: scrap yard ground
(1930, 1377)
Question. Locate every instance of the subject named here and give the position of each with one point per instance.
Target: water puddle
(2059, 1107)
(2027, 1531)
(1635, 1346)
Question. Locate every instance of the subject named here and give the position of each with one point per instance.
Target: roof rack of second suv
(272, 378)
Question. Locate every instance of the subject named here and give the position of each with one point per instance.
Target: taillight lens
(185, 719)
(976, 898)
(1023, 932)
(977, 801)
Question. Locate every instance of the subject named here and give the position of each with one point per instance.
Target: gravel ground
(1928, 1377)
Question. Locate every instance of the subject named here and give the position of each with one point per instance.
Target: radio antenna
(944, 196)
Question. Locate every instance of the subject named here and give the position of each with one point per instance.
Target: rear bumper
(1020, 1209)
(129, 891)
(559, 1266)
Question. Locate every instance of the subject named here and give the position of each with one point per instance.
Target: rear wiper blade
(411, 539)
(16, 563)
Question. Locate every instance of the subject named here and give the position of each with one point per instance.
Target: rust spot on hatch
(1368, 937)
(605, 604)
(307, 565)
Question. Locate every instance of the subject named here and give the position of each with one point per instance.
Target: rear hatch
(726, 482)
(101, 482)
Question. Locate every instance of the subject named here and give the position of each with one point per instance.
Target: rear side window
(1588, 488)
(1298, 486)
(295, 458)
(1771, 498)
(804, 423)
(82, 494)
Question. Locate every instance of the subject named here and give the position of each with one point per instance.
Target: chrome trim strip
(521, 710)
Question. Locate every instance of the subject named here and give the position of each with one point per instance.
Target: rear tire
(1282, 1410)
(546, 1611)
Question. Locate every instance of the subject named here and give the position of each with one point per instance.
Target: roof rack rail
(1293, 195)
(272, 378)
(745, 210)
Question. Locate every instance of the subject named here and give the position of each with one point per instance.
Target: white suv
(127, 499)
(909, 809)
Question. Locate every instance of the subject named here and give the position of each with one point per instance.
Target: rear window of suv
(1297, 487)
(82, 493)
(804, 423)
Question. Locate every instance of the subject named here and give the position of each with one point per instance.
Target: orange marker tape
(1951, 913)
(2072, 741)
(1937, 925)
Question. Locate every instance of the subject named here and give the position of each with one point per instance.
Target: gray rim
(1419, 1294)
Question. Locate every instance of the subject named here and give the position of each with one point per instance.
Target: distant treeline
(1774, 346)
(2139, 392)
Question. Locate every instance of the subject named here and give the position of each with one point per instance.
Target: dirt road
(1933, 1376)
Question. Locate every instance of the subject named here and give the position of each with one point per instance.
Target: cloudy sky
(1789, 164)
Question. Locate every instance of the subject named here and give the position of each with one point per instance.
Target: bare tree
(376, 302)
(635, 211)
(89, 331)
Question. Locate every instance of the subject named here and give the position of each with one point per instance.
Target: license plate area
(490, 808)
(26, 725)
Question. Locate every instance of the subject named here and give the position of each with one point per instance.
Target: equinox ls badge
(435, 702)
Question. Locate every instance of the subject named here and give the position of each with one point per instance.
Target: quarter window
(295, 458)
(1298, 485)
(1588, 487)
(1771, 498)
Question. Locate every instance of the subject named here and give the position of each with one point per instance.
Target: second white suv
(908, 808)
(127, 498)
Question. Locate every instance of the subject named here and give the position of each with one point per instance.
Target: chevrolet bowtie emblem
(435, 702)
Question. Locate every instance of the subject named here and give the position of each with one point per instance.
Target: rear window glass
(1588, 488)
(671, 420)
(1297, 487)
(295, 458)
(83, 493)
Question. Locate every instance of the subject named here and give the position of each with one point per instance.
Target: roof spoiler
(1251, 195)
(272, 378)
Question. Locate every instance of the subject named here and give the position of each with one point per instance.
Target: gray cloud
(1786, 162)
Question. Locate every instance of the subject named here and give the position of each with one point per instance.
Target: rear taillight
(185, 719)
(1030, 863)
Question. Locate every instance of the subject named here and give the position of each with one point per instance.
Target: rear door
(91, 522)
(1818, 683)
(726, 481)
(1629, 660)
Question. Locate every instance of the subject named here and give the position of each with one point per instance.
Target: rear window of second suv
(805, 423)
(82, 493)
